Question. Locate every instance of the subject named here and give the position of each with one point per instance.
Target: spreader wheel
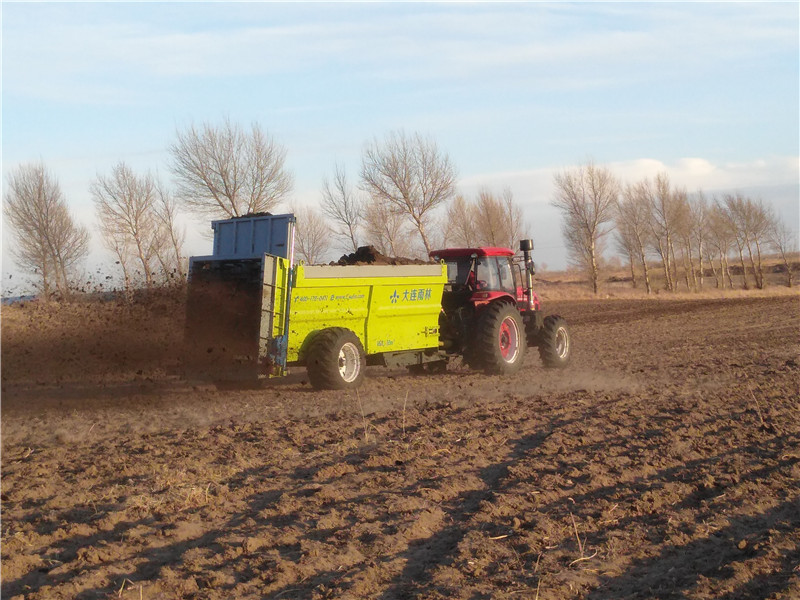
(336, 360)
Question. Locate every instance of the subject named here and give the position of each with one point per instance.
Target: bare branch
(385, 228)
(411, 174)
(344, 206)
(227, 172)
(129, 220)
(312, 234)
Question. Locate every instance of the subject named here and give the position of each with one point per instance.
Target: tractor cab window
(495, 275)
(485, 273)
(488, 277)
(506, 275)
(458, 271)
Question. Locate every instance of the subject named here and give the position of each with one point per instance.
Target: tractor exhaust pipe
(525, 247)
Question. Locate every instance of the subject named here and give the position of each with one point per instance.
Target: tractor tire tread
(486, 352)
(547, 343)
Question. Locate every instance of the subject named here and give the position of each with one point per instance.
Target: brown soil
(663, 463)
(369, 255)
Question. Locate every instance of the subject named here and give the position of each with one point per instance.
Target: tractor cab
(479, 276)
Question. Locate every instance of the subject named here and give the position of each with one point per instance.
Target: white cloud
(534, 187)
(699, 173)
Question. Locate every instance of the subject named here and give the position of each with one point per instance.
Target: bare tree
(312, 234)
(489, 220)
(783, 241)
(170, 246)
(344, 206)
(586, 197)
(126, 210)
(749, 223)
(385, 228)
(229, 172)
(721, 239)
(683, 236)
(498, 221)
(626, 245)
(633, 226)
(666, 211)
(699, 231)
(411, 174)
(461, 223)
(759, 221)
(47, 238)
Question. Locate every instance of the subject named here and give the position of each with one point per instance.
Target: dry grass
(554, 291)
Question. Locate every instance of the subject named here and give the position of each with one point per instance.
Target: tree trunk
(632, 263)
(714, 272)
(674, 263)
(745, 285)
(725, 267)
(593, 274)
(702, 267)
(176, 247)
(148, 276)
(61, 278)
(692, 271)
(686, 270)
(643, 258)
(46, 291)
(753, 264)
(421, 228)
(665, 263)
(759, 265)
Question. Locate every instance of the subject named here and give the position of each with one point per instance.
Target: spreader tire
(336, 360)
(500, 341)
(555, 345)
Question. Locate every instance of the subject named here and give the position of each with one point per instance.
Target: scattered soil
(663, 463)
(369, 255)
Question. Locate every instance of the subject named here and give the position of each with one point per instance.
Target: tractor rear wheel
(336, 360)
(555, 347)
(500, 341)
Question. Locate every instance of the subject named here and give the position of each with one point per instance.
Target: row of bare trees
(137, 222)
(660, 226)
(404, 203)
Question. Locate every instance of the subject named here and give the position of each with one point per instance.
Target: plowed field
(663, 463)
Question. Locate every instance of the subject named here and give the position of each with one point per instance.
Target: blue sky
(513, 92)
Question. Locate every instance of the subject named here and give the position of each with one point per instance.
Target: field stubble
(664, 463)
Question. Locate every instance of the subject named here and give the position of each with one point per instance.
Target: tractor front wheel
(555, 346)
(500, 341)
(336, 360)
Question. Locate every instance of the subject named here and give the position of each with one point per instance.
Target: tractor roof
(467, 252)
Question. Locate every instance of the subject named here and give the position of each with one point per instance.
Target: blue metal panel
(252, 237)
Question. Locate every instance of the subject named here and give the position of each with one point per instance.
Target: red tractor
(490, 313)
